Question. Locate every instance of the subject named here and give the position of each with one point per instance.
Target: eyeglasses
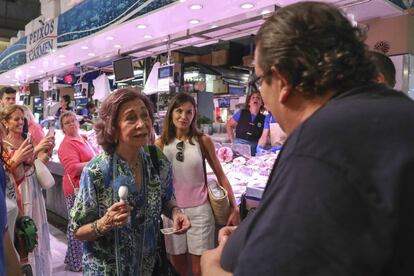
(180, 154)
(257, 82)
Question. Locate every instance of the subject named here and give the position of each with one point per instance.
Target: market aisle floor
(58, 245)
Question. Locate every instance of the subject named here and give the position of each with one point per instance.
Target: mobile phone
(29, 137)
(51, 131)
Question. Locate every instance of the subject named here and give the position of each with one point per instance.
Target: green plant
(201, 120)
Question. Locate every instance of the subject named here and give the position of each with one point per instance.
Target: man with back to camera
(385, 68)
(339, 200)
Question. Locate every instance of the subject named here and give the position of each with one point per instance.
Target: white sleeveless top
(188, 176)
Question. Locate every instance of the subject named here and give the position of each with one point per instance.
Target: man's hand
(210, 260)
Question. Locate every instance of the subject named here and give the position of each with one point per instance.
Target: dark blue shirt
(339, 200)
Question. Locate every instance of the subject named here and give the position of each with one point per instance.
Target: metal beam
(7, 33)
(12, 23)
(190, 34)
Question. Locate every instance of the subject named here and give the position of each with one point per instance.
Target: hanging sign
(42, 41)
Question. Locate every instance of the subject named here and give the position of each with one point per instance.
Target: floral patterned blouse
(131, 249)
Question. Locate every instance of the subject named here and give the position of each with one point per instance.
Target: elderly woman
(122, 234)
(74, 153)
(18, 155)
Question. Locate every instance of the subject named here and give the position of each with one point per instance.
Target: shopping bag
(44, 177)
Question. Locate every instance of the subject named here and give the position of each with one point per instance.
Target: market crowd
(337, 202)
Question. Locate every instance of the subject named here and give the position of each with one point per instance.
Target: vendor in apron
(271, 128)
(248, 122)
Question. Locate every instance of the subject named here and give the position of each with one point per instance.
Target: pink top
(73, 153)
(188, 176)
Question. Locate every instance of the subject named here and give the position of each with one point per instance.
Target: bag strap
(154, 158)
(203, 155)
(165, 266)
(71, 183)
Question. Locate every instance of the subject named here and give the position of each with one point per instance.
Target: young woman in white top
(180, 142)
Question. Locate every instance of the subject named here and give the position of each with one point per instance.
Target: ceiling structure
(178, 26)
(15, 14)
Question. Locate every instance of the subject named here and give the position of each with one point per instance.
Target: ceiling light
(41, 71)
(196, 7)
(182, 1)
(141, 26)
(109, 38)
(194, 21)
(7, 77)
(265, 12)
(61, 56)
(147, 36)
(84, 47)
(213, 26)
(117, 46)
(91, 54)
(247, 6)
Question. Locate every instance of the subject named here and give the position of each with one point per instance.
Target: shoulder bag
(217, 195)
(44, 177)
(163, 266)
(26, 235)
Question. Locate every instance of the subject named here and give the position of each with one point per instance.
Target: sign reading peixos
(42, 41)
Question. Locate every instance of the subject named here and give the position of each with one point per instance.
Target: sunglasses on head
(180, 154)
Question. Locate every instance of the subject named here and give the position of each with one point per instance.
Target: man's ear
(380, 78)
(283, 85)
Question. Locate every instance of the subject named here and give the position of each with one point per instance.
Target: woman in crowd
(74, 153)
(64, 106)
(8, 214)
(180, 142)
(19, 155)
(248, 122)
(122, 235)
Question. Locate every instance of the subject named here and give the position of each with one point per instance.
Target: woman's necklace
(14, 141)
(135, 169)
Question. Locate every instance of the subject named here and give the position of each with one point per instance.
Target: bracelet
(95, 229)
(10, 164)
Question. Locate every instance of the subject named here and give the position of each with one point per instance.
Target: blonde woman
(18, 155)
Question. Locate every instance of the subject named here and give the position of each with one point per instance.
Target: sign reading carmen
(42, 41)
